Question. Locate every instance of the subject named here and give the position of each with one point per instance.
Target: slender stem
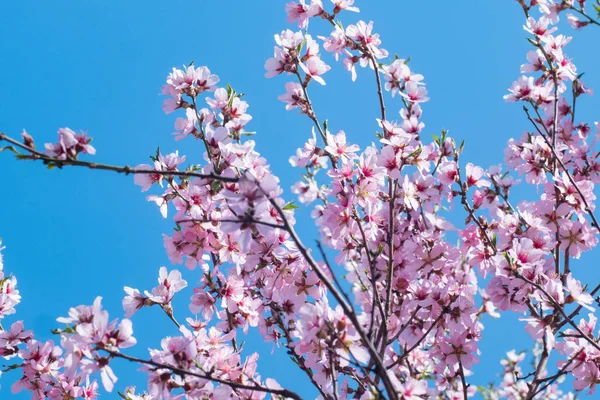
(168, 309)
(379, 91)
(463, 380)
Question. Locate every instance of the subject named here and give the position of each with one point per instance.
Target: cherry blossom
(415, 243)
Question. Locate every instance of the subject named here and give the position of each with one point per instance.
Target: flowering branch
(236, 385)
(55, 162)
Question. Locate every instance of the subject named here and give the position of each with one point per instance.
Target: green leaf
(155, 157)
(415, 153)
(379, 250)
(9, 148)
(11, 367)
(68, 329)
(215, 186)
(290, 206)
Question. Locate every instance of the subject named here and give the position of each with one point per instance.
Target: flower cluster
(69, 145)
(9, 295)
(67, 371)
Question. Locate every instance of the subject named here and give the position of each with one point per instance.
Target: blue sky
(94, 65)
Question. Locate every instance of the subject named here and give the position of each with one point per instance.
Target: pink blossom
(344, 5)
(474, 175)
(336, 43)
(169, 283)
(315, 67)
(147, 180)
(302, 12)
(521, 90)
(294, 96)
(133, 301)
(338, 147)
(577, 294)
(415, 93)
(576, 22)
(363, 34)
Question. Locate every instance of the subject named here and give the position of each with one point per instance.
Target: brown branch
(234, 221)
(168, 309)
